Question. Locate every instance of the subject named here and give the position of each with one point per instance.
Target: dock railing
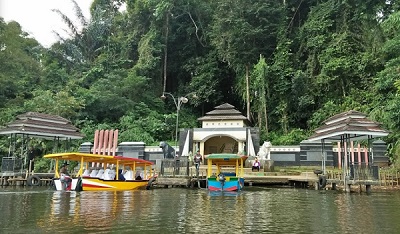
(364, 172)
(175, 167)
(11, 164)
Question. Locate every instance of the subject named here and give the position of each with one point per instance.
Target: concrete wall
(132, 149)
(306, 154)
(310, 154)
(380, 153)
(223, 124)
(200, 134)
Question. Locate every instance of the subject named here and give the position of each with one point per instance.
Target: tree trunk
(166, 51)
(265, 115)
(265, 96)
(248, 92)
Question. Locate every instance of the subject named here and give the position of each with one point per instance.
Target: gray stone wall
(380, 157)
(306, 154)
(132, 149)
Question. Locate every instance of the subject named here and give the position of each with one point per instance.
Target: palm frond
(67, 21)
(79, 14)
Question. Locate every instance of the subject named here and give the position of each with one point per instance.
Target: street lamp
(178, 103)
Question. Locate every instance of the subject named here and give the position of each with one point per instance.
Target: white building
(224, 130)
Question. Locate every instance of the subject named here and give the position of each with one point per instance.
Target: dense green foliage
(307, 60)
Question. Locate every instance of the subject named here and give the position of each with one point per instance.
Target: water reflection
(258, 210)
(94, 211)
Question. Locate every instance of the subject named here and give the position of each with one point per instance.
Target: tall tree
(20, 67)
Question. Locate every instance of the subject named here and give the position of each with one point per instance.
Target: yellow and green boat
(229, 172)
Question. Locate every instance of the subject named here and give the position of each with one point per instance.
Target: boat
(102, 172)
(229, 173)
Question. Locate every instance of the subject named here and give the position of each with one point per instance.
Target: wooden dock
(308, 180)
(260, 178)
(24, 179)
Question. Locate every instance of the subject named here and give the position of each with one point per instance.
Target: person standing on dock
(197, 160)
(31, 159)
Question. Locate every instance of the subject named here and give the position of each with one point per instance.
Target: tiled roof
(352, 125)
(44, 117)
(224, 106)
(345, 115)
(224, 111)
(42, 126)
(42, 132)
(222, 118)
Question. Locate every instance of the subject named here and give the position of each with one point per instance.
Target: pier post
(17, 181)
(6, 183)
(348, 188)
(368, 188)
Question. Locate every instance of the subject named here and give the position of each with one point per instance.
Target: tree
(20, 67)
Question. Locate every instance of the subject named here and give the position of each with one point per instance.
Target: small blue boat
(229, 172)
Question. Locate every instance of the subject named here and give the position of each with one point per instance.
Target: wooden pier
(333, 180)
(283, 177)
(24, 179)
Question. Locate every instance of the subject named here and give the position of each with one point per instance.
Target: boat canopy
(232, 161)
(225, 159)
(95, 158)
(85, 158)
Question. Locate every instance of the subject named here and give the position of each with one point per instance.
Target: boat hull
(95, 184)
(230, 185)
(59, 185)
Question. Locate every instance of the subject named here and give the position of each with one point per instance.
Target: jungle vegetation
(298, 62)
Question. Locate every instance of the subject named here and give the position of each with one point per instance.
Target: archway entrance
(220, 144)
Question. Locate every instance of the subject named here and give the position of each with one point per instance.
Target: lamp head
(184, 100)
(163, 97)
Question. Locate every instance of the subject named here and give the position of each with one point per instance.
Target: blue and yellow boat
(229, 172)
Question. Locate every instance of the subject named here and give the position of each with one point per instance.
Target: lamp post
(178, 103)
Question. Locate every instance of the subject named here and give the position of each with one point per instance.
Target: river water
(179, 210)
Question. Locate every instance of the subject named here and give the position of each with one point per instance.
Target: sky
(37, 18)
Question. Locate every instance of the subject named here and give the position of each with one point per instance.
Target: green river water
(179, 210)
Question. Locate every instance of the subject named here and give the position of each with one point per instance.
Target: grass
(299, 169)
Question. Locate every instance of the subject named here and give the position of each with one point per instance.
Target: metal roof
(351, 125)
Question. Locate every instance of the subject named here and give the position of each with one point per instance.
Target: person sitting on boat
(197, 159)
(111, 174)
(121, 175)
(86, 173)
(138, 176)
(128, 175)
(108, 174)
(256, 165)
